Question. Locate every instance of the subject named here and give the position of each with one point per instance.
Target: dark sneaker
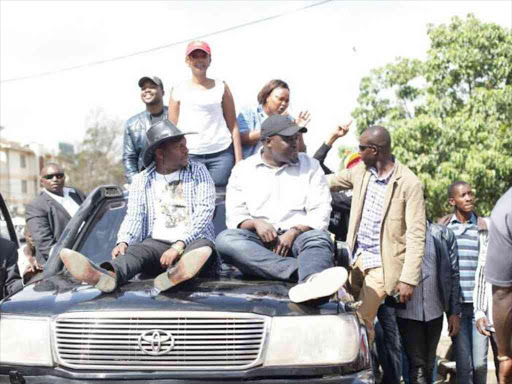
(163, 281)
(319, 285)
(84, 270)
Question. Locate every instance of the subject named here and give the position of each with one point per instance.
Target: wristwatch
(503, 358)
(178, 248)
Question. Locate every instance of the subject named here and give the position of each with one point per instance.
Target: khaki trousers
(367, 286)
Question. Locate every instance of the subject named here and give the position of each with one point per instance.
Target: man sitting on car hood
(278, 206)
(170, 208)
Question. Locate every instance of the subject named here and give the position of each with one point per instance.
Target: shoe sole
(325, 284)
(80, 267)
(162, 282)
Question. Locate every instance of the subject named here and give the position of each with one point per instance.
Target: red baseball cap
(203, 46)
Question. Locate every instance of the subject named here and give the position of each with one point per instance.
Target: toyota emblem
(160, 342)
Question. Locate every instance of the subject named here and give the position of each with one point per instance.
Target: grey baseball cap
(153, 79)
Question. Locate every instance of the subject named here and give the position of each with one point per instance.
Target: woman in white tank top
(206, 106)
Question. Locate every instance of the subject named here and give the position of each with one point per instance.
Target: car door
(7, 230)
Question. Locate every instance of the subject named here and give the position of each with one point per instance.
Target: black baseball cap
(153, 79)
(279, 125)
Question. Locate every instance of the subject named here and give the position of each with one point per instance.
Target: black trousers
(145, 258)
(419, 340)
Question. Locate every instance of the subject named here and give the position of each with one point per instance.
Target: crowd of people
(286, 212)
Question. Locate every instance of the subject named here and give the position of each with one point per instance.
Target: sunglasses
(363, 148)
(50, 176)
(289, 139)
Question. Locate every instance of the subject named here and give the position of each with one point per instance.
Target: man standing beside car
(471, 232)
(10, 279)
(168, 227)
(499, 273)
(49, 213)
(135, 142)
(387, 224)
(421, 322)
(278, 206)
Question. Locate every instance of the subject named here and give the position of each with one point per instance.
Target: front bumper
(29, 375)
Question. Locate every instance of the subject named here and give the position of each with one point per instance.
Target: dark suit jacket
(46, 220)
(10, 279)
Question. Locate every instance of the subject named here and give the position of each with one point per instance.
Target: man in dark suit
(10, 279)
(49, 213)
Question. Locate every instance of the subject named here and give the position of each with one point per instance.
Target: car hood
(61, 293)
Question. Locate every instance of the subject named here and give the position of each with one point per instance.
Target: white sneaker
(322, 284)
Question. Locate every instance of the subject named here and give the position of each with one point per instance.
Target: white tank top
(201, 112)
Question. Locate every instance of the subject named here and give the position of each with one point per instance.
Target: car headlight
(313, 340)
(25, 340)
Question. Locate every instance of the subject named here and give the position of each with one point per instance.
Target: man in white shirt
(278, 208)
(49, 213)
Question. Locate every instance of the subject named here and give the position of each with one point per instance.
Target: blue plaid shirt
(368, 235)
(199, 193)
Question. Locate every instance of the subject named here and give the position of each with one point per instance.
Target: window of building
(23, 161)
(23, 186)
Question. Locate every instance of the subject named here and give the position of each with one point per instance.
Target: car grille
(161, 340)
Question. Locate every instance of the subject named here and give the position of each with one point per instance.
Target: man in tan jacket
(387, 224)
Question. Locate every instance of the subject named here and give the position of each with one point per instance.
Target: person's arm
(130, 156)
(249, 132)
(173, 113)
(451, 244)
(131, 227)
(502, 315)
(38, 224)
(204, 203)
(318, 204)
(228, 108)
(415, 234)
(454, 308)
(321, 153)
(480, 298)
(237, 211)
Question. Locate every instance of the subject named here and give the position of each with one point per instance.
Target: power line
(144, 52)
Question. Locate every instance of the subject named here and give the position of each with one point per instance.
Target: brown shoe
(86, 271)
(163, 281)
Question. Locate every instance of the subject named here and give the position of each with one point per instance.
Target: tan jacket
(403, 227)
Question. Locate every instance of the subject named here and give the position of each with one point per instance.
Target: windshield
(102, 235)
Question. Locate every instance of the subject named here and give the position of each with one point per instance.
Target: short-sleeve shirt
(498, 266)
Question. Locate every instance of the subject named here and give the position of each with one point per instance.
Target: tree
(450, 115)
(98, 159)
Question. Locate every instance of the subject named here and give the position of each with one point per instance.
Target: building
(19, 175)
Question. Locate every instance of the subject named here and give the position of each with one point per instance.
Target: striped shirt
(466, 235)
(368, 235)
(199, 194)
(426, 303)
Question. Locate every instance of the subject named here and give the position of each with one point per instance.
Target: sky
(321, 49)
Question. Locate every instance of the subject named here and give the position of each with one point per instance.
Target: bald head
(54, 166)
(379, 136)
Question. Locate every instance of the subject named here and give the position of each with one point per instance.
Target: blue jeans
(311, 252)
(389, 346)
(219, 164)
(470, 350)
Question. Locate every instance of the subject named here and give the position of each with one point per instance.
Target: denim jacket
(135, 142)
